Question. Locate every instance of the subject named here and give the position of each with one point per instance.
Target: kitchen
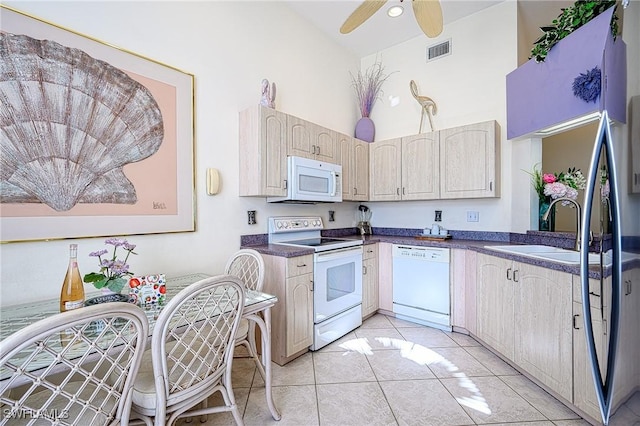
(230, 48)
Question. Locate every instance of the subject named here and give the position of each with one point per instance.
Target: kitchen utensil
(364, 215)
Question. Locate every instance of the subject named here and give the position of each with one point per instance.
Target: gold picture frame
(133, 186)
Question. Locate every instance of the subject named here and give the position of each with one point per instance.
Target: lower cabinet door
(299, 313)
(544, 337)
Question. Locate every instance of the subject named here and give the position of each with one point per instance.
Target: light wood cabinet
(470, 160)
(525, 313)
(291, 280)
(385, 277)
(309, 140)
(584, 395)
(404, 168)
(495, 303)
(354, 158)
(543, 326)
(627, 377)
(634, 144)
(420, 167)
(299, 294)
(385, 170)
(463, 290)
(263, 152)
(369, 280)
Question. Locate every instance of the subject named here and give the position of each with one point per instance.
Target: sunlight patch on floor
(424, 356)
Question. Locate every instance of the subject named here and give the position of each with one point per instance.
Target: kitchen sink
(556, 254)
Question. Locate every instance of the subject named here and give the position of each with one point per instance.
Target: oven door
(337, 282)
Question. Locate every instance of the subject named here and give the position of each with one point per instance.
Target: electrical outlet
(473, 216)
(438, 216)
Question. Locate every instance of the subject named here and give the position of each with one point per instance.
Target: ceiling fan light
(395, 11)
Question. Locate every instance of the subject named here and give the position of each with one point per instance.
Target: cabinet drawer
(594, 291)
(299, 265)
(370, 251)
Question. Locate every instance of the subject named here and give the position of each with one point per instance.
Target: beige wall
(229, 47)
(468, 86)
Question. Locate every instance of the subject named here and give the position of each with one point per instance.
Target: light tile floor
(393, 372)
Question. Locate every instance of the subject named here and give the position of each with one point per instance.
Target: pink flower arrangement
(550, 186)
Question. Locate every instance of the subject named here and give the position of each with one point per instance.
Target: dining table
(257, 308)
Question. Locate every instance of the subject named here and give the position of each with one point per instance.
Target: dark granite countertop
(408, 237)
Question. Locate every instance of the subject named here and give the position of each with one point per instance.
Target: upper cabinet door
(263, 152)
(345, 148)
(325, 145)
(309, 140)
(470, 160)
(300, 138)
(420, 167)
(360, 170)
(385, 172)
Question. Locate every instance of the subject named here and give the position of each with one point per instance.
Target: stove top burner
(323, 243)
(315, 242)
(305, 232)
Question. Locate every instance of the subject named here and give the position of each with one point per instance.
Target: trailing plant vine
(568, 21)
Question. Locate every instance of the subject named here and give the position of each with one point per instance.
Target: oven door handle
(337, 254)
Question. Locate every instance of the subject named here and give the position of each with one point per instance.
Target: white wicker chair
(248, 265)
(191, 353)
(75, 368)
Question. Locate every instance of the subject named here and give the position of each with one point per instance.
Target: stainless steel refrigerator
(613, 349)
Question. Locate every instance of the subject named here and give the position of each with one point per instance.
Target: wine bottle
(72, 293)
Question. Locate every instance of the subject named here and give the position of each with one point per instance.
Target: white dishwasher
(421, 285)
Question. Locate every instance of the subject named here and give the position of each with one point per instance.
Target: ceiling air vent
(439, 50)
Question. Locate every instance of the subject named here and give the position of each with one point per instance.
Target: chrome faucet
(578, 216)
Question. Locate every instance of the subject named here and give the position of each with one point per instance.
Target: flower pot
(365, 129)
(550, 223)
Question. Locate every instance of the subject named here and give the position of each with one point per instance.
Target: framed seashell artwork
(95, 140)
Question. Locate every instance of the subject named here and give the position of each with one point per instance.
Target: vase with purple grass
(367, 86)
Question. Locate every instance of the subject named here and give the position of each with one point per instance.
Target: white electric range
(337, 275)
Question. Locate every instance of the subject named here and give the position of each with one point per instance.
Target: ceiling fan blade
(429, 16)
(361, 14)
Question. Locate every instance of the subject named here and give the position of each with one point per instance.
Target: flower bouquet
(550, 186)
(114, 272)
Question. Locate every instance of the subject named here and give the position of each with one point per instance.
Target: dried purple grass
(367, 87)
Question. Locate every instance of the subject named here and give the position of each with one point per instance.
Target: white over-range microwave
(311, 181)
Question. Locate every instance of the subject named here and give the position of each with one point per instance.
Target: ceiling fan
(428, 15)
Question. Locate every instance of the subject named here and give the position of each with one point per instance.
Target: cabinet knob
(403, 190)
(509, 274)
(355, 191)
(364, 270)
(302, 266)
(313, 149)
(515, 276)
(311, 286)
(318, 150)
(575, 324)
(284, 184)
(398, 191)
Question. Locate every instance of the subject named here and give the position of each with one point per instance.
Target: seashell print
(68, 125)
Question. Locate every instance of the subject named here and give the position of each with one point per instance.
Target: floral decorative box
(147, 289)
